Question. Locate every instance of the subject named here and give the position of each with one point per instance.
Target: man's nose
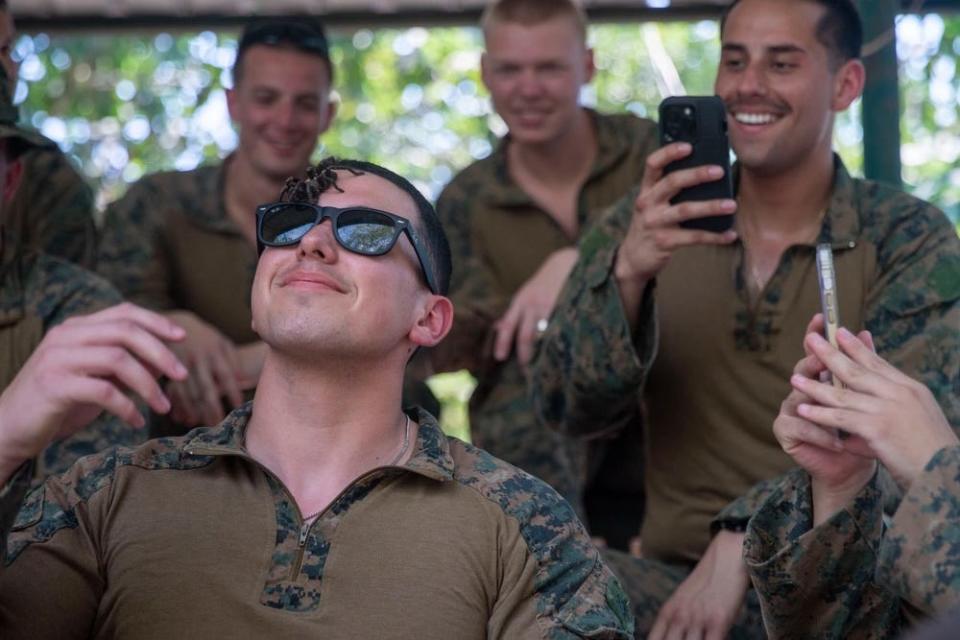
(320, 243)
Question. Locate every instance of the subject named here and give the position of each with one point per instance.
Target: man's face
(318, 298)
(534, 75)
(281, 105)
(776, 80)
(8, 33)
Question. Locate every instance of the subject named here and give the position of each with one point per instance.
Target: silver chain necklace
(403, 450)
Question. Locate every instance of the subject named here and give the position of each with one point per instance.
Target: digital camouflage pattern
(454, 544)
(37, 293)
(710, 408)
(499, 238)
(650, 584)
(851, 576)
(819, 583)
(52, 209)
(169, 244)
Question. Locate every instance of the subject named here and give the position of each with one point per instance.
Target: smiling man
(321, 509)
(183, 242)
(706, 328)
(514, 219)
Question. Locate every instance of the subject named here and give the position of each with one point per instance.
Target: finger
(99, 392)
(526, 337)
(850, 373)
(676, 181)
(208, 403)
(676, 632)
(791, 431)
(816, 325)
(659, 159)
(865, 355)
(867, 338)
(505, 329)
(809, 367)
(182, 404)
(858, 446)
(830, 417)
(675, 238)
(695, 633)
(154, 322)
(226, 379)
(830, 396)
(124, 333)
(673, 215)
(116, 364)
(660, 626)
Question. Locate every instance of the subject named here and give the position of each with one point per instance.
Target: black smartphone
(701, 121)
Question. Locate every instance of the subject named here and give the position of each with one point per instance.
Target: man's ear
(232, 103)
(12, 180)
(485, 70)
(590, 67)
(434, 322)
(848, 84)
(332, 106)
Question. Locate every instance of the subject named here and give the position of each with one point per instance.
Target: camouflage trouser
(649, 584)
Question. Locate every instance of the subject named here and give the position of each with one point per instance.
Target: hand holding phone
(700, 121)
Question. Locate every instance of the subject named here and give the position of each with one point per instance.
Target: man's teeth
(755, 118)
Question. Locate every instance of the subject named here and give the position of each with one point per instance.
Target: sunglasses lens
(368, 232)
(286, 224)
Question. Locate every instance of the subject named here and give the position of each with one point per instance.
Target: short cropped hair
(839, 29)
(305, 34)
(428, 228)
(533, 12)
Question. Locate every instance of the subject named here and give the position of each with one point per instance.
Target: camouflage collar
(841, 223)
(431, 455)
(612, 146)
(210, 210)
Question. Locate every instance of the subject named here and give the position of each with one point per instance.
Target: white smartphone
(827, 278)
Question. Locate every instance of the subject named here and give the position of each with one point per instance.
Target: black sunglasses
(362, 230)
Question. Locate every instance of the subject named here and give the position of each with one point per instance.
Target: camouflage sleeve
(819, 582)
(737, 514)
(131, 252)
(68, 291)
(469, 345)
(52, 209)
(52, 552)
(920, 555)
(913, 310)
(590, 365)
(11, 497)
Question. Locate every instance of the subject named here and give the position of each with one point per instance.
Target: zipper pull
(304, 532)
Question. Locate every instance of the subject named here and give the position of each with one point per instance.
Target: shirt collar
(841, 221)
(612, 146)
(430, 458)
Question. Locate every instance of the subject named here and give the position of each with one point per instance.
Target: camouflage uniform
(723, 362)
(52, 210)
(169, 244)
(499, 238)
(455, 544)
(11, 497)
(851, 576)
(38, 292)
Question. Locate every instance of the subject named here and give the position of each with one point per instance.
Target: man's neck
(788, 201)
(319, 429)
(559, 161)
(246, 188)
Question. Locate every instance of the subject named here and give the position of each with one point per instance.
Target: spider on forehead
(320, 178)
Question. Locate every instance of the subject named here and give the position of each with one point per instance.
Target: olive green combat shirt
(499, 238)
(190, 537)
(713, 368)
(38, 292)
(52, 209)
(169, 244)
(853, 575)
